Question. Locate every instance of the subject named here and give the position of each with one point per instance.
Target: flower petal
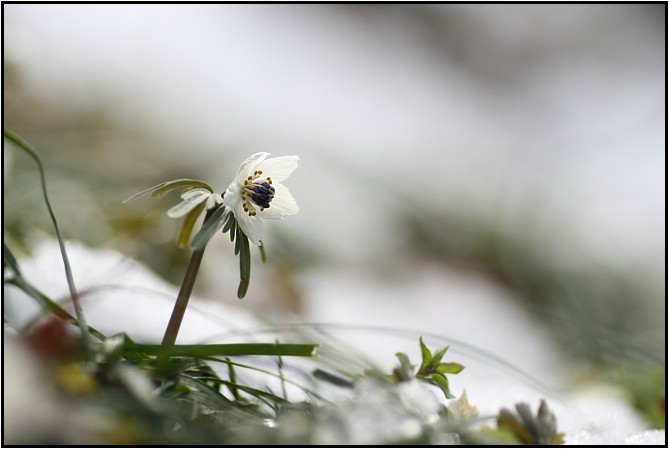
(283, 204)
(249, 165)
(190, 201)
(251, 226)
(232, 197)
(278, 168)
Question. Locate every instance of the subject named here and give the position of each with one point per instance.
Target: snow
(594, 416)
(647, 438)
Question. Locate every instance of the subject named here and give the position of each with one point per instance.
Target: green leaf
(332, 378)
(441, 381)
(233, 380)
(253, 391)
(436, 359)
(279, 364)
(244, 266)
(229, 223)
(49, 305)
(405, 370)
(213, 222)
(9, 260)
(507, 420)
(238, 243)
(188, 224)
(165, 187)
(449, 368)
(233, 230)
(61, 242)
(234, 349)
(426, 355)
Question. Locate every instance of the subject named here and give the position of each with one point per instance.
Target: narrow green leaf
(238, 243)
(403, 358)
(254, 392)
(405, 370)
(436, 359)
(234, 349)
(49, 305)
(233, 380)
(165, 187)
(282, 377)
(188, 224)
(244, 266)
(332, 378)
(211, 225)
(233, 230)
(449, 368)
(228, 223)
(23, 145)
(269, 373)
(9, 260)
(442, 382)
(426, 355)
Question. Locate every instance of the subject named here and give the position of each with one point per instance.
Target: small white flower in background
(193, 198)
(461, 407)
(256, 193)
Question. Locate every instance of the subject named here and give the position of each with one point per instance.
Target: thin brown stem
(182, 299)
(181, 304)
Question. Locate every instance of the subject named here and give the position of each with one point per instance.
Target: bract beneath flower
(191, 199)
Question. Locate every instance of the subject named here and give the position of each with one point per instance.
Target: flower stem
(182, 299)
(180, 305)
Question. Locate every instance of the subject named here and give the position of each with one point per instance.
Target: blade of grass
(269, 373)
(235, 349)
(250, 390)
(332, 378)
(68, 270)
(9, 260)
(282, 376)
(49, 305)
(233, 379)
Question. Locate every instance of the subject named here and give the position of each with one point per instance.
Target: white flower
(461, 408)
(191, 199)
(257, 193)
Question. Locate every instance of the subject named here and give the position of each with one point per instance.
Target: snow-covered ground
(520, 364)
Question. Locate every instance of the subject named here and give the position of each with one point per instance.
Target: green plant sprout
(529, 429)
(432, 370)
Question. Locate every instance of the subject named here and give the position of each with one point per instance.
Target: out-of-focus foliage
(597, 312)
(647, 390)
(529, 429)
